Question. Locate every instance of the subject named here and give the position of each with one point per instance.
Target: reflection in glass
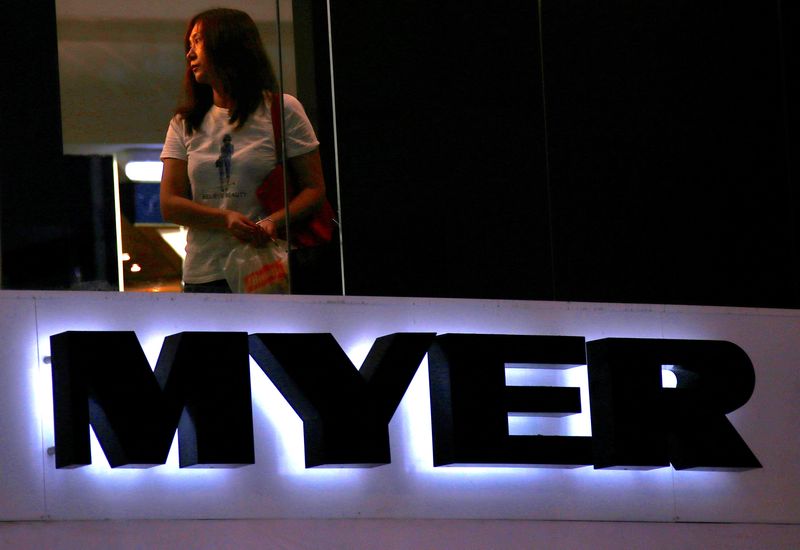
(120, 69)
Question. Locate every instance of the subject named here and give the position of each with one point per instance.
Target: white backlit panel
(575, 424)
(279, 486)
(21, 454)
(668, 378)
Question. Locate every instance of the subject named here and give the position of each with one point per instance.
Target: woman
(219, 148)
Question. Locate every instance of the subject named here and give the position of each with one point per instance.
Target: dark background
(624, 151)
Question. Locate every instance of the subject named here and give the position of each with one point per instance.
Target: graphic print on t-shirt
(224, 161)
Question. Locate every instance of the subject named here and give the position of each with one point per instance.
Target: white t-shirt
(226, 165)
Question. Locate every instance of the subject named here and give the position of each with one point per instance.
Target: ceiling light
(144, 171)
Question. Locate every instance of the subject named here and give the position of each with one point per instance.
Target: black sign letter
(104, 379)
(345, 411)
(637, 423)
(470, 401)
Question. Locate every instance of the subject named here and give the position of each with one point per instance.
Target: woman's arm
(178, 208)
(306, 171)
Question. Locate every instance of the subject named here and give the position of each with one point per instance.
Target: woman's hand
(269, 228)
(241, 227)
(178, 208)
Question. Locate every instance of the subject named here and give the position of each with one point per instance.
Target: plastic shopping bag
(263, 270)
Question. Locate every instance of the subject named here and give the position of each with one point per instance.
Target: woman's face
(196, 57)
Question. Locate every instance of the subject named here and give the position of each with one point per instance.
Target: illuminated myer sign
(201, 387)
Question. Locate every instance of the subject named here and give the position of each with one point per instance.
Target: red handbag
(315, 230)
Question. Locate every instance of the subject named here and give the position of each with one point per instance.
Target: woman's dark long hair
(233, 47)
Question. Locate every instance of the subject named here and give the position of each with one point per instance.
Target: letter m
(201, 386)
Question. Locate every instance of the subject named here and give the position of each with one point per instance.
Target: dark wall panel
(57, 228)
(33, 218)
(441, 141)
(790, 24)
(668, 154)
